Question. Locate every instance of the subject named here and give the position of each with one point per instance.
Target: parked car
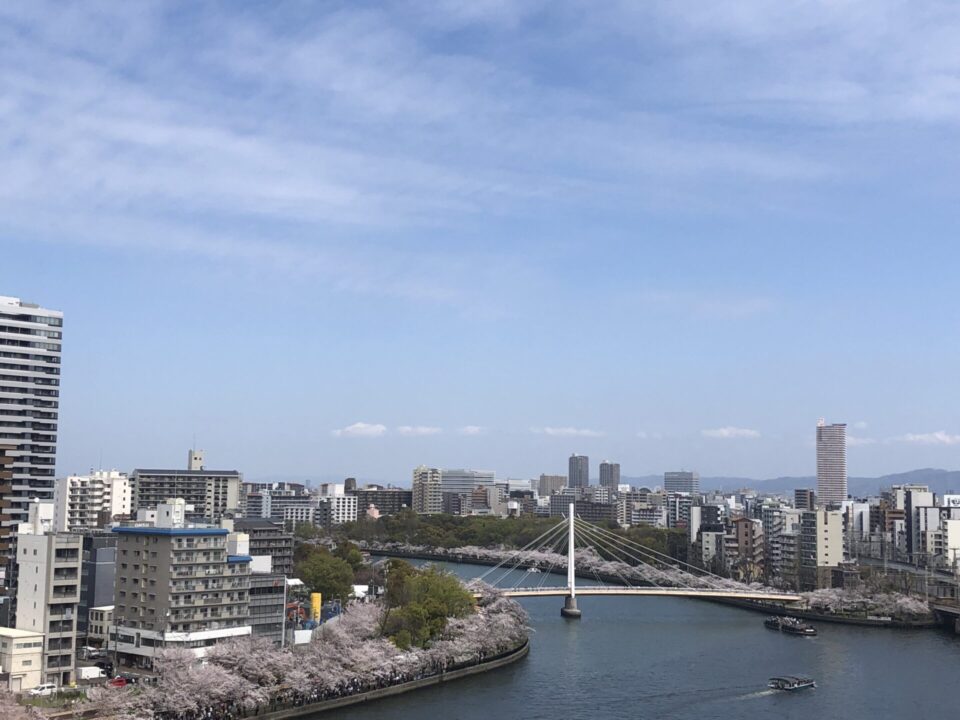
(43, 690)
(118, 682)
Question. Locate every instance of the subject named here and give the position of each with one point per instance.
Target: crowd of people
(251, 677)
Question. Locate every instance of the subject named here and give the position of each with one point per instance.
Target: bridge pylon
(570, 609)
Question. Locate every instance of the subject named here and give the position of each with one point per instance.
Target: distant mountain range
(940, 481)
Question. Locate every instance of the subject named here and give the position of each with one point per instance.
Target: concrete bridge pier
(570, 609)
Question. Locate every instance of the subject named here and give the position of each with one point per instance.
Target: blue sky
(332, 239)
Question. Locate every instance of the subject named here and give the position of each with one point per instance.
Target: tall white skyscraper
(30, 338)
(831, 462)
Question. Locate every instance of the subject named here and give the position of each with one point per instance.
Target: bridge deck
(654, 591)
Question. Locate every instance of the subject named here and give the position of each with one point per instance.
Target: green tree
(326, 574)
(350, 553)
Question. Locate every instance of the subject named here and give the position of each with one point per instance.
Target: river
(632, 657)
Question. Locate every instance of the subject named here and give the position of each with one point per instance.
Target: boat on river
(790, 625)
(790, 683)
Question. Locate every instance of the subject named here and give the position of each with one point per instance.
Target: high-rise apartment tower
(831, 462)
(30, 338)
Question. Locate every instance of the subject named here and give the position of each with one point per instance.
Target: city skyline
(348, 241)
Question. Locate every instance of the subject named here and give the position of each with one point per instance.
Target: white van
(42, 690)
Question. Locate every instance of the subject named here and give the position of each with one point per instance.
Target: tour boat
(791, 626)
(790, 683)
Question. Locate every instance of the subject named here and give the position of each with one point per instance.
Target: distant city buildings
(804, 499)
(211, 495)
(30, 351)
(86, 502)
(610, 475)
(551, 484)
(427, 490)
(681, 481)
(831, 463)
(579, 471)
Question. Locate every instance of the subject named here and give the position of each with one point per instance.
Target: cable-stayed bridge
(621, 567)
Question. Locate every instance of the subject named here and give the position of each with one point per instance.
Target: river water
(632, 657)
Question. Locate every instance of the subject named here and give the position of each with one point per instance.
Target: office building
(610, 475)
(831, 463)
(84, 502)
(98, 561)
(551, 484)
(804, 499)
(578, 473)
(269, 539)
(99, 622)
(48, 590)
(427, 490)
(464, 482)
(213, 494)
(30, 343)
(21, 659)
(681, 481)
(267, 596)
(176, 586)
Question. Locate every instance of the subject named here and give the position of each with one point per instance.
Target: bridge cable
(531, 564)
(610, 551)
(706, 576)
(648, 572)
(519, 554)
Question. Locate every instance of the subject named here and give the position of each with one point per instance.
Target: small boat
(790, 683)
(533, 570)
(790, 625)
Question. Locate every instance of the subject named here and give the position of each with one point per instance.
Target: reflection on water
(651, 657)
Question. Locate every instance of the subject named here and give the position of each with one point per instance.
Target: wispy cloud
(568, 432)
(731, 433)
(418, 430)
(939, 437)
(472, 430)
(644, 435)
(857, 441)
(361, 429)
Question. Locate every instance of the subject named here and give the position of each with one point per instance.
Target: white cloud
(731, 433)
(939, 437)
(860, 425)
(472, 430)
(855, 441)
(361, 429)
(644, 435)
(568, 432)
(418, 430)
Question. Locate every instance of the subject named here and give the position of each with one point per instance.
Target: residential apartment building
(749, 566)
(831, 463)
(213, 494)
(176, 586)
(48, 590)
(82, 502)
(610, 475)
(30, 346)
(427, 490)
(804, 499)
(387, 501)
(578, 473)
(268, 538)
(336, 510)
(6, 490)
(821, 547)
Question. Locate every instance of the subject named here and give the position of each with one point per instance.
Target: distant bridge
(680, 579)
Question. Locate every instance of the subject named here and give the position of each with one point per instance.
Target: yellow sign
(316, 602)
